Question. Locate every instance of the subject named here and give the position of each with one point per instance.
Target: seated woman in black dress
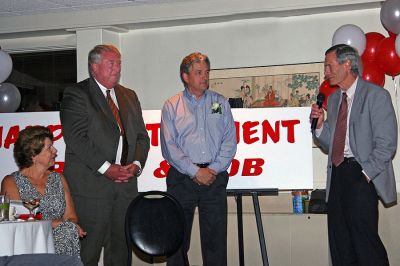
(34, 154)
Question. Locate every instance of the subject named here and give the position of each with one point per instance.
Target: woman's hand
(56, 222)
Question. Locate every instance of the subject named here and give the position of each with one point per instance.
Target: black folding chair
(154, 225)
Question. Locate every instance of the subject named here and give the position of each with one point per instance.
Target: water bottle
(298, 203)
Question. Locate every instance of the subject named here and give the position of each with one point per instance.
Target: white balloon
(10, 98)
(351, 35)
(5, 66)
(397, 45)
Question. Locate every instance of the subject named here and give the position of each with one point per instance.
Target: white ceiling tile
(86, 2)
(25, 5)
(31, 7)
(5, 5)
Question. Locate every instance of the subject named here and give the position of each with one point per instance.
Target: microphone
(320, 101)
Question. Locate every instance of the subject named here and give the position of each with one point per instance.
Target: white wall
(152, 56)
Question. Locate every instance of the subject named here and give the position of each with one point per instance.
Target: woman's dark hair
(30, 143)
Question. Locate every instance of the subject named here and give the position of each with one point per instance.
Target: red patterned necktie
(340, 133)
(115, 112)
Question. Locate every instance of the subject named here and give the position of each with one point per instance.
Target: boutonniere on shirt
(216, 108)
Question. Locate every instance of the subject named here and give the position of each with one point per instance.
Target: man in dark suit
(360, 137)
(106, 147)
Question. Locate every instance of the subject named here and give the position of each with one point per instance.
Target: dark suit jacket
(91, 134)
(372, 136)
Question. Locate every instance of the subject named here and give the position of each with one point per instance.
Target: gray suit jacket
(91, 134)
(372, 136)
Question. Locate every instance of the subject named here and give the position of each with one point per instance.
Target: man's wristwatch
(139, 172)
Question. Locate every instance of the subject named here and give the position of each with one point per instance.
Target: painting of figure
(265, 90)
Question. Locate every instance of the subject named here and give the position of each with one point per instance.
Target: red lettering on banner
(57, 131)
(162, 171)
(248, 131)
(251, 128)
(234, 167)
(154, 136)
(59, 167)
(12, 136)
(269, 131)
(237, 127)
(252, 167)
(289, 124)
(13, 133)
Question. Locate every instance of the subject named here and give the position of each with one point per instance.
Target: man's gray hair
(95, 55)
(346, 52)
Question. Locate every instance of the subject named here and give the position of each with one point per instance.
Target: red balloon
(374, 74)
(373, 40)
(327, 90)
(387, 58)
(391, 34)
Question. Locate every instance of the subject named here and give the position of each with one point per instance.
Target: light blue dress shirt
(191, 133)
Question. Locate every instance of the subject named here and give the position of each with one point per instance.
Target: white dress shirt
(350, 97)
(107, 164)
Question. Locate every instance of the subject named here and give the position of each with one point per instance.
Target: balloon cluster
(380, 55)
(10, 98)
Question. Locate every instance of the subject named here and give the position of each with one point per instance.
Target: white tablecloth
(26, 238)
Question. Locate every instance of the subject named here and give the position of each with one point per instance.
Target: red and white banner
(274, 147)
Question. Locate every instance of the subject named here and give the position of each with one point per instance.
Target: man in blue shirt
(198, 140)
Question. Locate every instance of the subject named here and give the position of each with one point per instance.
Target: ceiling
(30, 18)
(10, 8)
(34, 7)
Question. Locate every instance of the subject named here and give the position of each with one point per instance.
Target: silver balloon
(390, 15)
(5, 66)
(10, 98)
(351, 35)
